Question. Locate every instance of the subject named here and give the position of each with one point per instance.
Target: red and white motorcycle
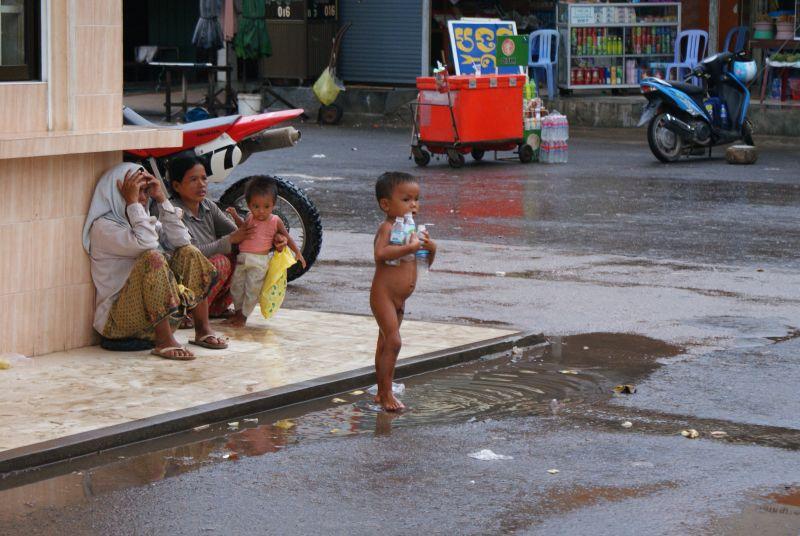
(225, 142)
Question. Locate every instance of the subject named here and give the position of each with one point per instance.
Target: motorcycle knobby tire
(289, 192)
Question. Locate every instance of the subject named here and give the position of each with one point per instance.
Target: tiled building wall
(96, 64)
(46, 290)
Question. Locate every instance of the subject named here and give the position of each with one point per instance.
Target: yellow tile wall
(46, 290)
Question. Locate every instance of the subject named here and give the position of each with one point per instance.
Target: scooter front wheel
(298, 213)
(665, 144)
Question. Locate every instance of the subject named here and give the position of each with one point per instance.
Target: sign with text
(286, 9)
(512, 51)
(475, 41)
(322, 9)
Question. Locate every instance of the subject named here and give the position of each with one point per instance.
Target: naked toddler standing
(394, 282)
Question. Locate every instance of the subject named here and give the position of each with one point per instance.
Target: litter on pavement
(625, 389)
(488, 455)
(284, 424)
(397, 389)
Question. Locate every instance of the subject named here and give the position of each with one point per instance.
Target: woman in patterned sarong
(146, 272)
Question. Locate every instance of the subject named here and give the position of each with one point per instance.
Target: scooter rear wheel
(298, 213)
(665, 144)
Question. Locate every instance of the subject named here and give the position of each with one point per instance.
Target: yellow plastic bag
(326, 88)
(274, 288)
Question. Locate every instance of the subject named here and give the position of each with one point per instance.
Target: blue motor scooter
(684, 119)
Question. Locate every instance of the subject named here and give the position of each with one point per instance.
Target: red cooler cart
(456, 115)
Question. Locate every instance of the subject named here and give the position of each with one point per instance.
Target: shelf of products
(615, 45)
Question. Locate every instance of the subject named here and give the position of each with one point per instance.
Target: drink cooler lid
(481, 82)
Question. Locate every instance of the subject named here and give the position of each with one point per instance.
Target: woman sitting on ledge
(140, 293)
(213, 231)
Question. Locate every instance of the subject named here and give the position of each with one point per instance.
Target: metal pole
(713, 26)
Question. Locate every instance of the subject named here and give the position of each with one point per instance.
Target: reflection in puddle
(522, 515)
(514, 384)
(775, 514)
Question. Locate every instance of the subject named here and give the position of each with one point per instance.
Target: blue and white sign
(474, 42)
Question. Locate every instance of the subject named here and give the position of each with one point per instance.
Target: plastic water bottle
(409, 227)
(422, 254)
(397, 237)
(723, 115)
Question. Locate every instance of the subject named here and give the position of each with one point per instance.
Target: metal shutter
(385, 42)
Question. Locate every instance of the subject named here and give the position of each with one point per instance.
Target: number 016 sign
(286, 9)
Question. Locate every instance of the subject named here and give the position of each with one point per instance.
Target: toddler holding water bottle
(395, 246)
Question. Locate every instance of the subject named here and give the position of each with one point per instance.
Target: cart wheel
(477, 154)
(456, 160)
(525, 153)
(331, 114)
(422, 157)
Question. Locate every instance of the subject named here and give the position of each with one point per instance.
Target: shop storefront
(392, 45)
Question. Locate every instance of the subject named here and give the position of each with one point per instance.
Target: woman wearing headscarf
(146, 272)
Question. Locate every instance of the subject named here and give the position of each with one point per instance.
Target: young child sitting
(393, 283)
(255, 252)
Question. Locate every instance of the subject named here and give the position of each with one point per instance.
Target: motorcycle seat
(130, 117)
(689, 89)
(205, 124)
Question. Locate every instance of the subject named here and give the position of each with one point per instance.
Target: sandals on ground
(165, 353)
(203, 341)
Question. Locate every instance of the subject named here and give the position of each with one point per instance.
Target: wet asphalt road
(701, 255)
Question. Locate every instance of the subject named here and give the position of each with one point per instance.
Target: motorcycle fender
(649, 112)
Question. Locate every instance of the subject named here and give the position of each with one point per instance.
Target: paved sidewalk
(88, 389)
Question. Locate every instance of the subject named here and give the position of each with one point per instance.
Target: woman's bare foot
(390, 403)
(237, 320)
(177, 353)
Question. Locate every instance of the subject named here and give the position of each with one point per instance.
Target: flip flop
(203, 341)
(163, 353)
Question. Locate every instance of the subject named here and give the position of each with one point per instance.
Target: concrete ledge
(82, 444)
(625, 111)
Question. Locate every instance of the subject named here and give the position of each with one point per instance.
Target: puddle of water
(525, 514)
(492, 388)
(774, 514)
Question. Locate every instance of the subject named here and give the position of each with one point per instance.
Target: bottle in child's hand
(397, 237)
(410, 227)
(422, 253)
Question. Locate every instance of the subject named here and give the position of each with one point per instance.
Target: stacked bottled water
(555, 133)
